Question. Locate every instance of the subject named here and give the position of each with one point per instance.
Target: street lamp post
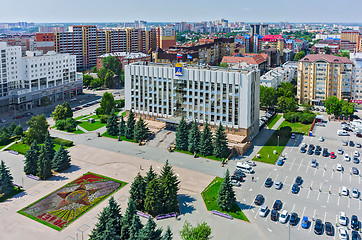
(278, 140)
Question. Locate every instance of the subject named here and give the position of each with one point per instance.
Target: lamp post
(278, 140)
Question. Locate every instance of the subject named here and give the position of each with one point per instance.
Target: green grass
(266, 152)
(80, 117)
(91, 126)
(92, 116)
(123, 114)
(74, 132)
(209, 195)
(21, 148)
(274, 120)
(212, 157)
(12, 194)
(297, 127)
(122, 138)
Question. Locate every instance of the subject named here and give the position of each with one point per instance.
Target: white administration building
(165, 92)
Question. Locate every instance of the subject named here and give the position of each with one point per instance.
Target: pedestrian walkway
(277, 124)
(8, 145)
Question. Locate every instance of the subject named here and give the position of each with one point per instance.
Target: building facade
(350, 40)
(356, 58)
(125, 58)
(213, 94)
(166, 37)
(321, 76)
(276, 76)
(259, 29)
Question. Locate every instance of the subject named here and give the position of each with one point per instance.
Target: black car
(237, 178)
(259, 199)
(316, 152)
(295, 188)
(268, 182)
(310, 151)
(329, 229)
(299, 180)
(355, 171)
(318, 148)
(277, 205)
(240, 173)
(354, 222)
(274, 215)
(325, 152)
(351, 143)
(311, 146)
(303, 150)
(293, 219)
(318, 227)
(356, 160)
(355, 235)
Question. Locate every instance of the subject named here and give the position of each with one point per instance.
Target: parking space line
(315, 171)
(256, 214)
(300, 164)
(341, 176)
(332, 172)
(359, 205)
(339, 197)
(330, 187)
(291, 166)
(306, 169)
(350, 178)
(292, 208)
(349, 201)
(324, 170)
(319, 191)
(325, 215)
(276, 178)
(311, 223)
(301, 217)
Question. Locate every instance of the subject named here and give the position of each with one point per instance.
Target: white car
(342, 233)
(340, 151)
(343, 191)
(342, 219)
(283, 216)
(278, 185)
(321, 139)
(251, 163)
(263, 211)
(355, 193)
(235, 183)
(356, 153)
(339, 167)
(313, 163)
(347, 158)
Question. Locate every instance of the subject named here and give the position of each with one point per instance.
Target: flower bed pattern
(63, 206)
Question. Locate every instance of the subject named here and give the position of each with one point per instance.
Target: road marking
(341, 176)
(324, 171)
(307, 169)
(332, 173)
(256, 214)
(300, 164)
(325, 215)
(349, 202)
(291, 166)
(338, 199)
(315, 171)
(319, 191)
(250, 189)
(276, 178)
(269, 230)
(311, 223)
(350, 178)
(286, 177)
(330, 187)
(359, 205)
(301, 217)
(293, 208)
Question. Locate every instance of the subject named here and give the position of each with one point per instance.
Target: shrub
(19, 130)
(60, 124)
(70, 124)
(307, 118)
(63, 142)
(99, 111)
(104, 118)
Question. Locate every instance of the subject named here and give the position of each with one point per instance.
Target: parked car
(354, 222)
(342, 219)
(268, 182)
(283, 216)
(240, 173)
(329, 229)
(325, 152)
(236, 178)
(293, 219)
(251, 163)
(278, 185)
(355, 171)
(305, 222)
(292, 136)
(303, 150)
(274, 215)
(358, 134)
(3, 120)
(351, 143)
(311, 146)
(235, 183)
(358, 145)
(280, 162)
(304, 145)
(342, 233)
(277, 205)
(340, 151)
(356, 153)
(259, 199)
(299, 180)
(346, 158)
(344, 191)
(355, 193)
(333, 156)
(318, 227)
(310, 151)
(313, 163)
(345, 143)
(356, 160)
(321, 139)
(318, 148)
(339, 167)
(355, 235)
(317, 152)
(295, 188)
(263, 211)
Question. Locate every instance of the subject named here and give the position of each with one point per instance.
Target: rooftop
(125, 55)
(325, 57)
(248, 58)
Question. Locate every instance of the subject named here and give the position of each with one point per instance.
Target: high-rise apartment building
(350, 40)
(356, 58)
(321, 76)
(259, 29)
(213, 94)
(45, 42)
(166, 37)
(273, 41)
(180, 27)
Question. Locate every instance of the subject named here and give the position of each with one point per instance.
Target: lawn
(122, 138)
(212, 157)
(92, 116)
(297, 127)
(91, 126)
(266, 152)
(209, 195)
(274, 120)
(10, 195)
(21, 148)
(80, 117)
(74, 132)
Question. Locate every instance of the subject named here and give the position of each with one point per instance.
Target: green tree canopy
(61, 160)
(221, 149)
(44, 163)
(153, 202)
(200, 232)
(138, 191)
(333, 106)
(206, 147)
(194, 138)
(299, 56)
(169, 189)
(62, 112)
(127, 219)
(226, 195)
(113, 64)
(87, 79)
(182, 135)
(150, 175)
(150, 232)
(112, 125)
(129, 133)
(287, 104)
(19, 130)
(267, 96)
(141, 130)
(38, 129)
(102, 73)
(31, 159)
(286, 89)
(109, 79)
(168, 234)
(107, 103)
(6, 180)
(122, 127)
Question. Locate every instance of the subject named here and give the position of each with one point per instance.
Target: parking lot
(318, 197)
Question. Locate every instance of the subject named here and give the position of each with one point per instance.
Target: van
(244, 167)
(342, 133)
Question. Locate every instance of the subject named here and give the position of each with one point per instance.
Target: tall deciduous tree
(194, 138)
(200, 232)
(122, 127)
(44, 164)
(38, 129)
(112, 126)
(127, 219)
(102, 73)
(169, 189)
(149, 231)
(108, 79)
(153, 202)
(113, 64)
(221, 149)
(182, 135)
(287, 104)
(268, 96)
(138, 191)
(299, 56)
(206, 147)
(333, 106)
(168, 234)
(130, 125)
(107, 102)
(31, 159)
(61, 160)
(141, 130)
(62, 112)
(226, 195)
(6, 180)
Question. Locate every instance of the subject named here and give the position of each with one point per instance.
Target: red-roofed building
(248, 59)
(273, 41)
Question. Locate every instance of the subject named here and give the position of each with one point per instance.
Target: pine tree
(153, 204)
(194, 138)
(61, 160)
(6, 180)
(122, 127)
(115, 215)
(149, 232)
(141, 130)
(44, 163)
(138, 191)
(109, 232)
(221, 149)
(205, 146)
(112, 126)
(31, 159)
(150, 175)
(226, 195)
(127, 219)
(129, 133)
(49, 146)
(169, 189)
(136, 227)
(168, 234)
(100, 226)
(182, 135)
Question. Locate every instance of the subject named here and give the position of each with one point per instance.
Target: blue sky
(182, 10)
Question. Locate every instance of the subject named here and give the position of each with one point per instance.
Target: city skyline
(164, 11)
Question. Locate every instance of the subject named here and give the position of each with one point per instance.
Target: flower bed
(65, 205)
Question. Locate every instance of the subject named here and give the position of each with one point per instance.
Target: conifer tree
(112, 126)
(127, 219)
(61, 160)
(205, 146)
(141, 130)
(149, 231)
(169, 189)
(150, 175)
(31, 159)
(168, 234)
(153, 203)
(194, 138)
(182, 135)
(129, 133)
(110, 232)
(122, 127)
(100, 227)
(138, 191)
(6, 180)
(44, 163)
(136, 227)
(115, 215)
(49, 146)
(221, 149)
(226, 195)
